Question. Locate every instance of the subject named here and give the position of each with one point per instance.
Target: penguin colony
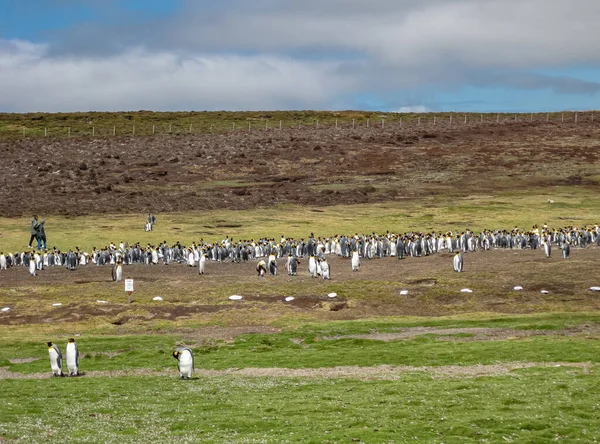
(267, 251)
(315, 248)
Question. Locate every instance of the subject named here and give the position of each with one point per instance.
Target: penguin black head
(50, 344)
(176, 354)
(71, 340)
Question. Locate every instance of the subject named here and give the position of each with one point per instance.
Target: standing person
(34, 230)
(153, 219)
(41, 235)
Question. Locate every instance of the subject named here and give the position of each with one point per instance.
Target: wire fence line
(220, 127)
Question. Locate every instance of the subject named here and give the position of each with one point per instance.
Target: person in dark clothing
(41, 235)
(34, 230)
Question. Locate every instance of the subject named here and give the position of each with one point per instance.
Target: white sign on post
(129, 289)
(129, 285)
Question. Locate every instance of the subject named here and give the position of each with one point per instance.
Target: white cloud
(164, 81)
(414, 109)
(312, 54)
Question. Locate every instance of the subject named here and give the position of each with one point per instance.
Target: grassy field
(572, 206)
(105, 124)
(435, 365)
(551, 398)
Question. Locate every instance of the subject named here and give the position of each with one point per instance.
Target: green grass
(307, 347)
(536, 404)
(573, 206)
(528, 406)
(144, 123)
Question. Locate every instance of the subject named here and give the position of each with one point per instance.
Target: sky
(385, 55)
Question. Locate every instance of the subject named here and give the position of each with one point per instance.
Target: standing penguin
(117, 271)
(355, 260)
(272, 264)
(547, 247)
(72, 358)
(566, 250)
(325, 269)
(32, 267)
(185, 362)
(55, 359)
(458, 262)
(312, 266)
(202, 263)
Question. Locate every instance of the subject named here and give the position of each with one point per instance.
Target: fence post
(114, 130)
(563, 117)
(336, 120)
(69, 131)
(93, 131)
(299, 125)
(170, 128)
(592, 116)
(352, 123)
(23, 132)
(190, 128)
(450, 119)
(382, 123)
(211, 128)
(367, 123)
(498, 118)
(233, 126)
(266, 124)
(317, 123)
(575, 117)
(133, 131)
(465, 119)
(418, 121)
(515, 117)
(249, 127)
(152, 129)
(45, 131)
(547, 117)
(434, 117)
(531, 117)
(280, 125)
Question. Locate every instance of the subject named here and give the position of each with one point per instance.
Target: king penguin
(566, 250)
(185, 362)
(355, 260)
(117, 271)
(548, 247)
(72, 358)
(202, 263)
(325, 269)
(55, 359)
(32, 267)
(458, 262)
(312, 266)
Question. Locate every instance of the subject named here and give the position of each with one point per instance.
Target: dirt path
(383, 372)
(473, 334)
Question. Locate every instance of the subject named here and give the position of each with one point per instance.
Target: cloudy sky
(390, 55)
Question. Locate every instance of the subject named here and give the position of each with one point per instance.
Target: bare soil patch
(473, 334)
(239, 170)
(373, 291)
